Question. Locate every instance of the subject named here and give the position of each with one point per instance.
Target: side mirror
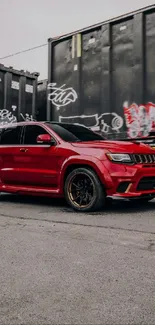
(45, 139)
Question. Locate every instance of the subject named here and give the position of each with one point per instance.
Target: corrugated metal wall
(18, 90)
(41, 113)
(104, 76)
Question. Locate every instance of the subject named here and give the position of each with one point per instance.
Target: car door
(40, 167)
(10, 154)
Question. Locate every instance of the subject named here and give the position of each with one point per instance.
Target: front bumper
(131, 181)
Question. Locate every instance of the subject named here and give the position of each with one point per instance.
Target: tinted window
(11, 135)
(74, 133)
(32, 132)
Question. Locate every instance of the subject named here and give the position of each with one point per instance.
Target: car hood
(115, 146)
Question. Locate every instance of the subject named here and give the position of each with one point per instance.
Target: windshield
(74, 133)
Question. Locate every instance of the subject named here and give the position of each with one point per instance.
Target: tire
(108, 202)
(98, 199)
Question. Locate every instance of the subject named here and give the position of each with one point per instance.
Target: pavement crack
(82, 224)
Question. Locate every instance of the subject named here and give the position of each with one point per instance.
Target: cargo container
(18, 90)
(41, 107)
(103, 76)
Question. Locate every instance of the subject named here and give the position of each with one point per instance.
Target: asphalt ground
(62, 267)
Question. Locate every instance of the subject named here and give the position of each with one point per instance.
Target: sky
(29, 23)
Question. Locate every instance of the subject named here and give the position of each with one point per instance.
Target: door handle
(23, 149)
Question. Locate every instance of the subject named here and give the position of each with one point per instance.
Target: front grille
(144, 159)
(146, 183)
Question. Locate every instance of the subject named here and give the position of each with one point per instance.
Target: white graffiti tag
(7, 117)
(61, 96)
(99, 123)
(110, 121)
(27, 117)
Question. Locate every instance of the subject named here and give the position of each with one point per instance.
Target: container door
(91, 78)
(41, 113)
(27, 109)
(122, 76)
(63, 88)
(14, 97)
(9, 98)
(149, 81)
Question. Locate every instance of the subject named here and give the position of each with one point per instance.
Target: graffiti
(84, 120)
(139, 119)
(109, 122)
(27, 117)
(61, 96)
(104, 123)
(14, 107)
(7, 117)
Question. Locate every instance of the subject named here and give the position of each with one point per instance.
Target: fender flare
(91, 161)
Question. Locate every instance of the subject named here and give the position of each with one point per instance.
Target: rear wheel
(84, 191)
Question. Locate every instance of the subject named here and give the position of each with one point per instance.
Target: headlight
(119, 157)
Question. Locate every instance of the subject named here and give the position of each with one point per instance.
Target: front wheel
(84, 191)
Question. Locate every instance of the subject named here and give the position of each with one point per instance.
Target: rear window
(10, 136)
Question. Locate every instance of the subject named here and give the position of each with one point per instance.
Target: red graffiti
(140, 119)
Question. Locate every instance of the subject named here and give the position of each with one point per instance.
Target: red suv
(71, 161)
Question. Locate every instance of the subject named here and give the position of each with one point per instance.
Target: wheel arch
(96, 166)
(71, 167)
